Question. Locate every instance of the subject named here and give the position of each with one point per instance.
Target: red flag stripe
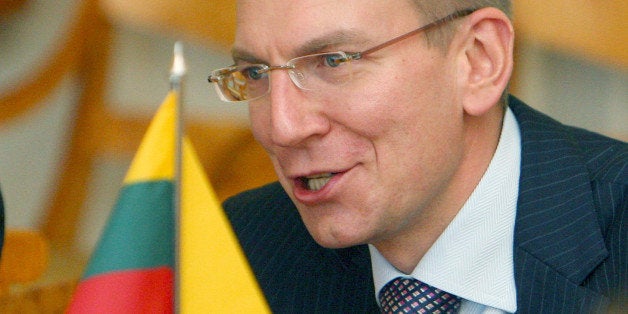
(132, 291)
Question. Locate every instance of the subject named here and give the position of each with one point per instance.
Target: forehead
(270, 29)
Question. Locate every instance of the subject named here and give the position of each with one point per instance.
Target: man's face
(365, 161)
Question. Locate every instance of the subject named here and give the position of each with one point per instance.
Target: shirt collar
(473, 257)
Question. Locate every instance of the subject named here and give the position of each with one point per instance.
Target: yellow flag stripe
(214, 273)
(160, 138)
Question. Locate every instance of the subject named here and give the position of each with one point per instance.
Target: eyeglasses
(312, 72)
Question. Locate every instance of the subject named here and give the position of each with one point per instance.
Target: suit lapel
(557, 240)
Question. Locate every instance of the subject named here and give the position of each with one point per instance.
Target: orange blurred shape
(24, 258)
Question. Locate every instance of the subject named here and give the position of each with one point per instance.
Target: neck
(405, 250)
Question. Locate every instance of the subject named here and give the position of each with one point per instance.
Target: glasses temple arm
(448, 18)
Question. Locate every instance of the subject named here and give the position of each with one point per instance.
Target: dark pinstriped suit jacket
(570, 250)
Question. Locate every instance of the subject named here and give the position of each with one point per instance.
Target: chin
(336, 237)
(335, 226)
(335, 243)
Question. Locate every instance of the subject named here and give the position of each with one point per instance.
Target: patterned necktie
(408, 295)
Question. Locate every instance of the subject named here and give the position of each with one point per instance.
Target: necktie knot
(408, 295)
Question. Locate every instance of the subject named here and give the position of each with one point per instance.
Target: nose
(295, 116)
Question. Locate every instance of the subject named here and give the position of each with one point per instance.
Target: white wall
(575, 91)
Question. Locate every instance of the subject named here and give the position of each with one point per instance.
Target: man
(403, 166)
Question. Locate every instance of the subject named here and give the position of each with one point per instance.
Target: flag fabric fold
(132, 269)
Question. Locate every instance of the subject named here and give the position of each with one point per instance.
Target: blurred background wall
(123, 59)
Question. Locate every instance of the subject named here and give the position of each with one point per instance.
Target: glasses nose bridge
(286, 66)
(295, 75)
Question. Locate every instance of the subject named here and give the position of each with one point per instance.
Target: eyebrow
(330, 40)
(322, 43)
(238, 54)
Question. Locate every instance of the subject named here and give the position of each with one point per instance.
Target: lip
(309, 197)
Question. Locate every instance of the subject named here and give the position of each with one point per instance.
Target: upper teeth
(317, 182)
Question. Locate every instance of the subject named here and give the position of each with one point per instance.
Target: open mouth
(316, 182)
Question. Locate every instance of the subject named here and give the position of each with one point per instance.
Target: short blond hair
(435, 9)
(441, 37)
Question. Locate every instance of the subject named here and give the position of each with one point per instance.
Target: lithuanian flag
(133, 267)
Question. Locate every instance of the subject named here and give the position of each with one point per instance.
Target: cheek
(413, 123)
(401, 91)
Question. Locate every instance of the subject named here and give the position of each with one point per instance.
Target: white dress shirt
(473, 257)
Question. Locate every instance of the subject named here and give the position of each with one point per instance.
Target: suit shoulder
(606, 159)
(265, 203)
(270, 195)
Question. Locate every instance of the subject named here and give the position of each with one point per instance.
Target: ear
(486, 59)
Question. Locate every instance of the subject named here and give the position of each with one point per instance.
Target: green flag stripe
(140, 231)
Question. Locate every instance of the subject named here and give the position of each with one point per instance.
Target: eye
(333, 60)
(254, 72)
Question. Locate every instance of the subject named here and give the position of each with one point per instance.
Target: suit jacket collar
(557, 241)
